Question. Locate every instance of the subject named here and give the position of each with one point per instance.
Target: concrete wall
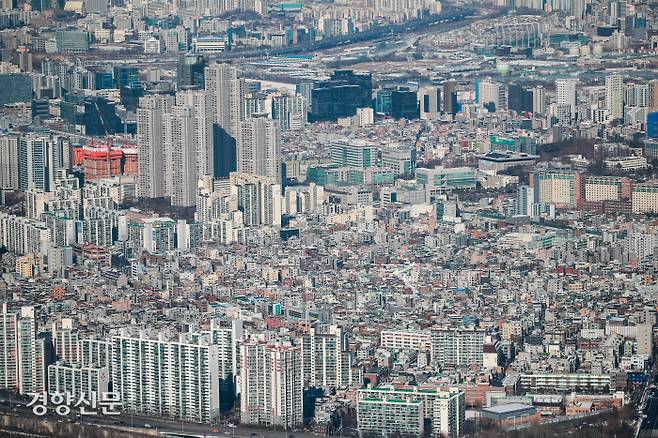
(66, 429)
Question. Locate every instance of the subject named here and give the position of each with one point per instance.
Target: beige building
(406, 340)
(644, 339)
(258, 148)
(645, 198)
(606, 188)
(25, 266)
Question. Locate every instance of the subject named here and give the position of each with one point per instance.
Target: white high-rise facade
(457, 346)
(377, 413)
(181, 176)
(67, 378)
(23, 365)
(290, 111)
(565, 92)
(175, 145)
(489, 92)
(31, 354)
(66, 340)
(271, 391)
(449, 413)
(96, 352)
(201, 102)
(614, 97)
(325, 359)
(226, 96)
(228, 338)
(258, 148)
(258, 197)
(539, 100)
(150, 145)
(21, 235)
(637, 95)
(34, 162)
(8, 349)
(9, 162)
(166, 378)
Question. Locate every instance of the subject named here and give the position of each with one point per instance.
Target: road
(16, 433)
(17, 407)
(651, 412)
(453, 14)
(451, 18)
(649, 407)
(649, 427)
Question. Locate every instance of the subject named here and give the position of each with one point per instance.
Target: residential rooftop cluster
(375, 218)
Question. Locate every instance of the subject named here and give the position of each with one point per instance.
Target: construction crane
(110, 141)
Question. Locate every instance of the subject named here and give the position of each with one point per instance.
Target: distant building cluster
(376, 217)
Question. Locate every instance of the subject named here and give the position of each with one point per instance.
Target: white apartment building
(258, 197)
(35, 162)
(271, 391)
(565, 92)
(614, 97)
(387, 417)
(489, 92)
(539, 100)
(290, 111)
(175, 379)
(445, 408)
(200, 101)
(96, 353)
(77, 380)
(9, 178)
(226, 96)
(21, 235)
(66, 340)
(405, 340)
(8, 349)
(180, 145)
(259, 149)
(325, 359)
(303, 199)
(150, 145)
(449, 414)
(227, 336)
(457, 347)
(31, 354)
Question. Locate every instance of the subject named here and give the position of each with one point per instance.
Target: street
(649, 426)
(17, 408)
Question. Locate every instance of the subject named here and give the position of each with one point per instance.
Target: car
(215, 430)
(148, 426)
